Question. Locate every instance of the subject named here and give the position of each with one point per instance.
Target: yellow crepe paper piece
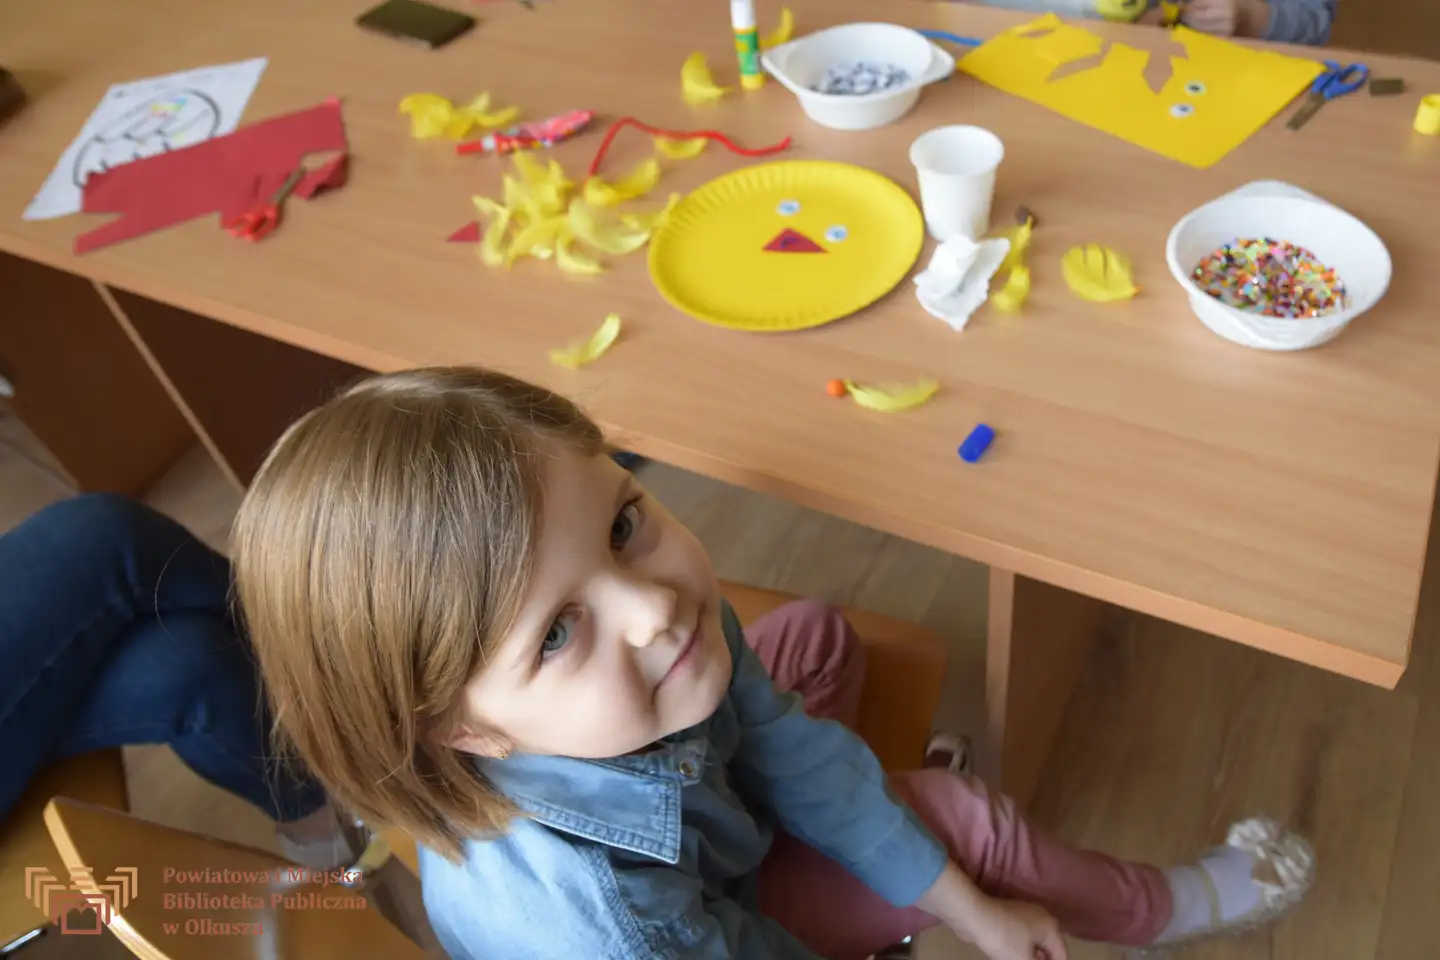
(1217, 95)
(536, 240)
(432, 115)
(637, 183)
(892, 399)
(552, 222)
(782, 32)
(586, 351)
(681, 149)
(1010, 297)
(696, 84)
(499, 222)
(1019, 238)
(575, 264)
(650, 221)
(604, 231)
(1098, 274)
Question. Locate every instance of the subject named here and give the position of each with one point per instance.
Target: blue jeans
(115, 628)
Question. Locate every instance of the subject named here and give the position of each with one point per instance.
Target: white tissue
(957, 281)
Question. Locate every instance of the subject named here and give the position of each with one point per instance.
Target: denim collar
(631, 802)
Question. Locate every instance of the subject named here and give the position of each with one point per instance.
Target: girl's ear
(474, 738)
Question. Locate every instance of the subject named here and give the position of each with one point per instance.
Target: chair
(905, 668)
(145, 870)
(98, 778)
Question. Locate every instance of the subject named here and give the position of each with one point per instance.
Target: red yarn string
(720, 138)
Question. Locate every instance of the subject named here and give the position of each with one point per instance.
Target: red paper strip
(227, 175)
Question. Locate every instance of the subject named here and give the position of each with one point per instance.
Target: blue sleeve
(1301, 21)
(538, 895)
(824, 785)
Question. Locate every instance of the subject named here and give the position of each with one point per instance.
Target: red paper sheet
(228, 174)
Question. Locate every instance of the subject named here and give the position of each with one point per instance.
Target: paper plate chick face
(786, 246)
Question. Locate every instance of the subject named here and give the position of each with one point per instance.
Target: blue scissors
(1336, 81)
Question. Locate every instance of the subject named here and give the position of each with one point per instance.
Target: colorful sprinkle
(1274, 278)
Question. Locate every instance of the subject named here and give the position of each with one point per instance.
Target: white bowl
(1280, 212)
(801, 64)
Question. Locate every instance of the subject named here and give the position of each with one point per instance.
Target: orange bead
(836, 388)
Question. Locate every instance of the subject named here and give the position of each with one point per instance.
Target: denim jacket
(655, 856)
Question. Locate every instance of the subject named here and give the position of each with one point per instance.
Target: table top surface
(1278, 500)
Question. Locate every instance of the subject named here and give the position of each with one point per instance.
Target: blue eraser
(977, 443)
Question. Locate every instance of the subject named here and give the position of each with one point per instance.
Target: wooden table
(1281, 501)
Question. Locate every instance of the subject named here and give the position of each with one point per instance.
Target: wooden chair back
(25, 845)
(145, 872)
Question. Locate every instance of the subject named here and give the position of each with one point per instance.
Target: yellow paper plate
(786, 246)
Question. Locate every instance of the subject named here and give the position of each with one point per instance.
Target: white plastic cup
(956, 168)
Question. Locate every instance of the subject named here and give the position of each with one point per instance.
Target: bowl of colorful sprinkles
(1276, 268)
(858, 76)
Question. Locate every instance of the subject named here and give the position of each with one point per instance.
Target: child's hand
(1014, 930)
(1218, 17)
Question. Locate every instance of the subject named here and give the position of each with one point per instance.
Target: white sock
(1260, 873)
(316, 841)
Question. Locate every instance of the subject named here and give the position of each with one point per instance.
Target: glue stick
(747, 43)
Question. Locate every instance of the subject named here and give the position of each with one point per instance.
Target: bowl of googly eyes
(858, 76)
(1273, 267)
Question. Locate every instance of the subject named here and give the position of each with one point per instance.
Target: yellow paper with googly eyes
(1217, 95)
(786, 245)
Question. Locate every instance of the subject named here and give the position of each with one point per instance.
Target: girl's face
(618, 639)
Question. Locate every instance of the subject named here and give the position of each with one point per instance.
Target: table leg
(79, 385)
(239, 390)
(1039, 639)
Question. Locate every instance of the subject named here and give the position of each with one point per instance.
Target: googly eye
(788, 208)
(1195, 88)
(836, 234)
(1181, 110)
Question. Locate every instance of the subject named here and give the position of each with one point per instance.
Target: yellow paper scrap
(892, 399)
(637, 183)
(491, 253)
(696, 84)
(429, 114)
(1019, 238)
(1098, 274)
(586, 351)
(604, 231)
(651, 221)
(535, 240)
(477, 112)
(432, 115)
(782, 32)
(1011, 296)
(681, 149)
(576, 264)
(1217, 95)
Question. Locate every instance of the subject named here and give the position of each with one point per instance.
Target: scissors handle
(1339, 80)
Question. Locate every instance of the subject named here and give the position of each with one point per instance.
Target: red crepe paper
(718, 137)
(470, 233)
(228, 175)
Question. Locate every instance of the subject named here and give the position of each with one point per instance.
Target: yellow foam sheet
(1217, 95)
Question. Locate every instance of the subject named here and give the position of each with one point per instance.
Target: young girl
(475, 626)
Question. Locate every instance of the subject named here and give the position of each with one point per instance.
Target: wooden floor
(1172, 735)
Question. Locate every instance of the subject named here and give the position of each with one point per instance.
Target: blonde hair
(380, 554)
